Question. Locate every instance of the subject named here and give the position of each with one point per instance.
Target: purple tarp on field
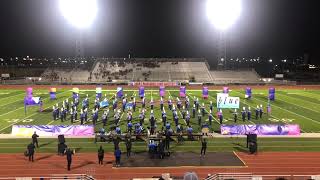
(53, 130)
(261, 129)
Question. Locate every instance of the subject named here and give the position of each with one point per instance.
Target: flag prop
(141, 91)
(248, 93)
(29, 100)
(98, 92)
(182, 91)
(226, 90)
(53, 93)
(162, 91)
(119, 92)
(205, 92)
(272, 92)
(75, 93)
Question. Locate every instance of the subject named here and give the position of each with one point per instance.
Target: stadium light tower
(223, 14)
(80, 14)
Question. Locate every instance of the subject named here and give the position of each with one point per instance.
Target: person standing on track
(69, 154)
(100, 155)
(35, 139)
(203, 146)
(128, 145)
(117, 154)
(30, 149)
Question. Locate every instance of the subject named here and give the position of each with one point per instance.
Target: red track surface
(267, 163)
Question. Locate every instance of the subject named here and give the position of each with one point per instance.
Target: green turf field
(291, 106)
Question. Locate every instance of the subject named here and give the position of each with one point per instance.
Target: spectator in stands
(100, 155)
(30, 149)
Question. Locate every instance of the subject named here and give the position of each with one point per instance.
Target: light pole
(80, 14)
(223, 14)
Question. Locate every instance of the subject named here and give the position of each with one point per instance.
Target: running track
(266, 163)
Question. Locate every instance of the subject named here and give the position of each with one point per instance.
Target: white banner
(225, 101)
(5, 75)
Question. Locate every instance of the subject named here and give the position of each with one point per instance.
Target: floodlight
(223, 13)
(79, 13)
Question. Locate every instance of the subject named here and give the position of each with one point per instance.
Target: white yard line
(13, 96)
(11, 102)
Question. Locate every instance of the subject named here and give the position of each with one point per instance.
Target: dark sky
(161, 28)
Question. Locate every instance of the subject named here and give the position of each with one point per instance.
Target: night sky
(162, 28)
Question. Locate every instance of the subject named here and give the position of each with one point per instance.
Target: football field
(292, 106)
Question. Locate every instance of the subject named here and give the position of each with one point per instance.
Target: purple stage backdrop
(261, 129)
(53, 130)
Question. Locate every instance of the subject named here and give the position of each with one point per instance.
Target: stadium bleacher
(97, 70)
